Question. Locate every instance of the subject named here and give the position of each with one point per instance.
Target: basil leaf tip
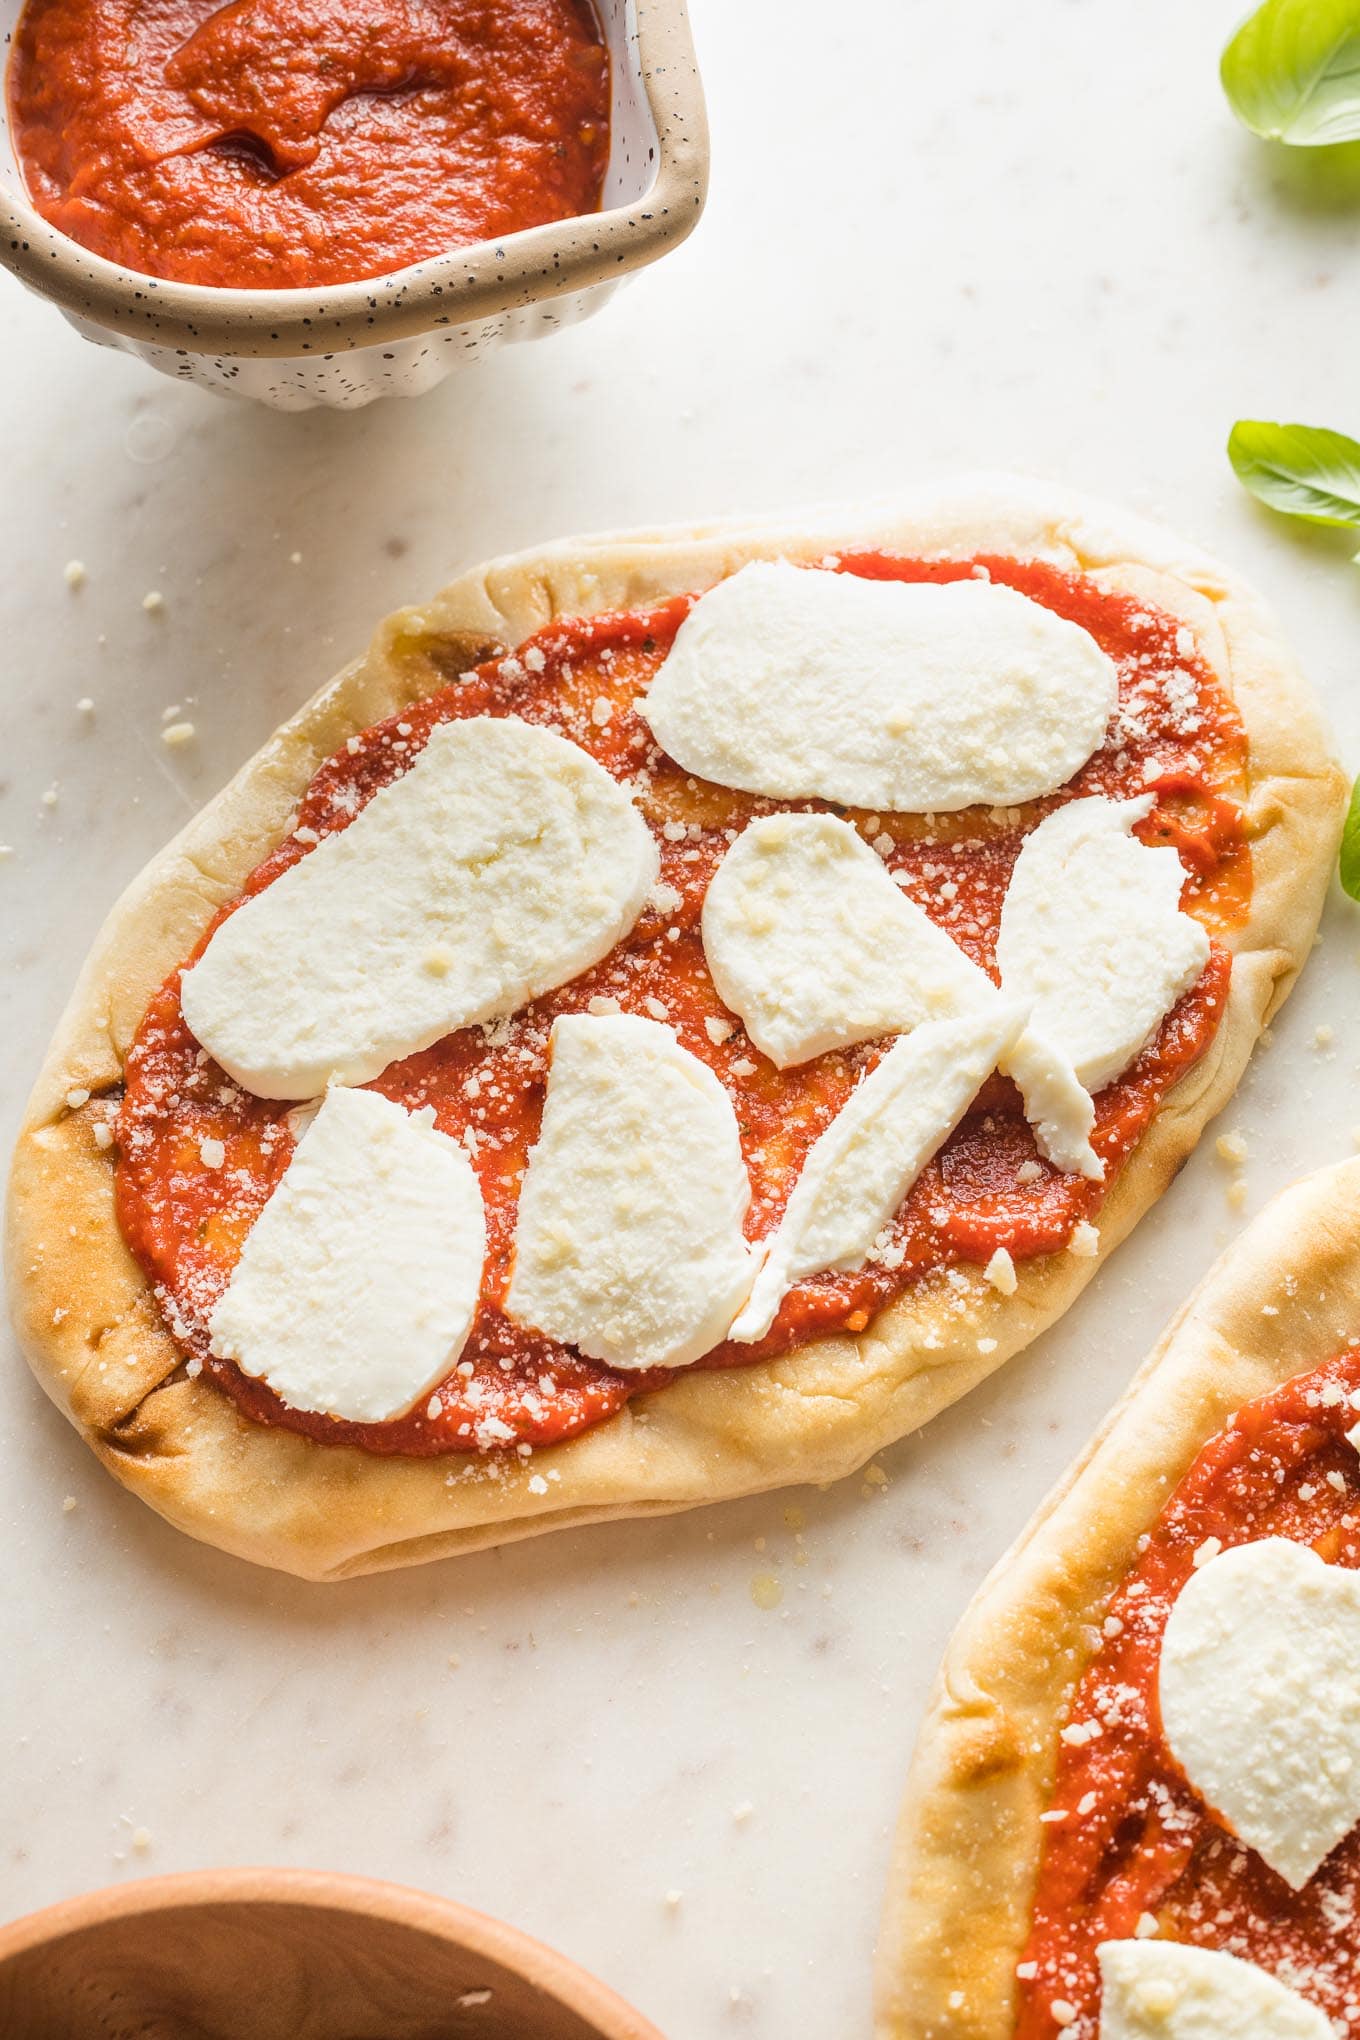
(1292, 72)
(1350, 846)
(1303, 470)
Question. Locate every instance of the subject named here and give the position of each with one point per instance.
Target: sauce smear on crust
(1176, 734)
(270, 144)
(1134, 1839)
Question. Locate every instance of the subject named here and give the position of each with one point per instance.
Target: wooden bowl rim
(443, 1919)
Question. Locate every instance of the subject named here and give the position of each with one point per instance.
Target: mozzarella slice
(629, 1241)
(809, 940)
(858, 1172)
(813, 945)
(1092, 937)
(1060, 1110)
(359, 1280)
(1169, 1990)
(1260, 1669)
(904, 696)
(503, 863)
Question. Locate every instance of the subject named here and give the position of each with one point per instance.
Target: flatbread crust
(92, 1329)
(1283, 1300)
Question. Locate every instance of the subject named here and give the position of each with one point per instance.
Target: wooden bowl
(290, 1955)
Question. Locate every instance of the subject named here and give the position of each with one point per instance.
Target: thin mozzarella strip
(506, 861)
(858, 1172)
(359, 1280)
(917, 697)
(815, 947)
(1169, 1990)
(812, 944)
(1092, 937)
(629, 1243)
(1260, 1669)
(1060, 1110)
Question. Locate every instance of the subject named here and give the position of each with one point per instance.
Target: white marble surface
(941, 237)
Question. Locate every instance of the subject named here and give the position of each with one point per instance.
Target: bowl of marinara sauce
(326, 201)
(291, 1955)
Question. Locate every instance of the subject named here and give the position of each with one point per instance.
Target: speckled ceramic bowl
(290, 1955)
(401, 334)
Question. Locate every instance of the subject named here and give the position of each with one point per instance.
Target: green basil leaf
(1350, 846)
(1292, 72)
(1304, 470)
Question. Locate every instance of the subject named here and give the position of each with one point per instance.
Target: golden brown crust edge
(1284, 1299)
(93, 1334)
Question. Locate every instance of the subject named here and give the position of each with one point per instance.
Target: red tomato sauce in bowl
(272, 144)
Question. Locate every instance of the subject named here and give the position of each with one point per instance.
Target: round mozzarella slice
(1260, 1668)
(506, 861)
(903, 696)
(629, 1241)
(810, 941)
(1169, 1990)
(1092, 937)
(858, 1172)
(359, 1280)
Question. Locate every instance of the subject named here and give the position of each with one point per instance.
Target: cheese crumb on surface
(1000, 1272)
(1231, 1148)
(153, 602)
(177, 733)
(77, 1097)
(75, 574)
(1085, 1240)
(212, 1153)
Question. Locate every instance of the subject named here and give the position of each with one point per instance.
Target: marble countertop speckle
(943, 238)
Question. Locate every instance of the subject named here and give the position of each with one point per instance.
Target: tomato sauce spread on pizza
(1130, 1849)
(198, 1157)
(275, 143)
